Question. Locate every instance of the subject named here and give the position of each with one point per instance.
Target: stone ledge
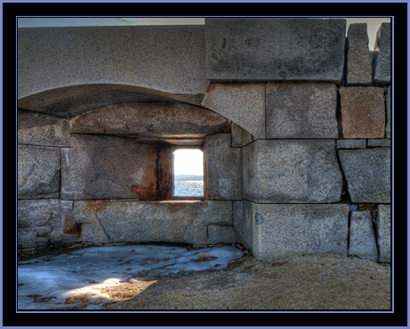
(152, 221)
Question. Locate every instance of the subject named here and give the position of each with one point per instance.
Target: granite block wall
(293, 116)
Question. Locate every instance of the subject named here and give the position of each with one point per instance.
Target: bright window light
(188, 173)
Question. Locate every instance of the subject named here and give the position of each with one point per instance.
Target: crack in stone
(105, 232)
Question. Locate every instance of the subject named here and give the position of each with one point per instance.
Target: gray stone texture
(221, 234)
(240, 137)
(379, 143)
(172, 221)
(359, 57)
(291, 171)
(107, 167)
(40, 129)
(368, 174)
(38, 172)
(362, 241)
(301, 110)
(383, 225)
(363, 112)
(382, 63)
(43, 223)
(351, 143)
(242, 222)
(50, 58)
(284, 230)
(152, 120)
(242, 103)
(388, 109)
(223, 168)
(260, 49)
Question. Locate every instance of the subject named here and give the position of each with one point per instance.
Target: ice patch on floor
(47, 282)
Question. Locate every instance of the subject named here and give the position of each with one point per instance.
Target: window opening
(188, 173)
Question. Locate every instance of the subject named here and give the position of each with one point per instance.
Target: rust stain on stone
(71, 227)
(98, 205)
(211, 88)
(144, 193)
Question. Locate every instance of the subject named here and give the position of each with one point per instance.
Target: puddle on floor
(90, 274)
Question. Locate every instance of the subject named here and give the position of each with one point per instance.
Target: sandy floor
(301, 283)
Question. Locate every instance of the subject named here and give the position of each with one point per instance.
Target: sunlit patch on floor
(111, 289)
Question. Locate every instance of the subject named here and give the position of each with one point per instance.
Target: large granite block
(38, 172)
(43, 223)
(382, 63)
(136, 221)
(301, 110)
(242, 103)
(291, 171)
(362, 242)
(223, 165)
(363, 112)
(40, 129)
(383, 225)
(260, 49)
(283, 230)
(359, 57)
(107, 167)
(165, 58)
(368, 174)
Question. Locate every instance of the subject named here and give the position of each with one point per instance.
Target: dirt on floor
(299, 283)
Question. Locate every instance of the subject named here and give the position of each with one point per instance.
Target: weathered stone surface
(301, 110)
(363, 113)
(223, 163)
(243, 103)
(26, 239)
(351, 143)
(367, 173)
(240, 137)
(388, 109)
(136, 221)
(359, 57)
(242, 222)
(166, 58)
(382, 65)
(362, 242)
(40, 129)
(42, 223)
(38, 172)
(152, 119)
(379, 143)
(291, 171)
(383, 224)
(106, 167)
(221, 233)
(282, 230)
(244, 49)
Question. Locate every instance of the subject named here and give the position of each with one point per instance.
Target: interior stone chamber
(293, 117)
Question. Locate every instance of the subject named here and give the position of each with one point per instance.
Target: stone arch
(73, 101)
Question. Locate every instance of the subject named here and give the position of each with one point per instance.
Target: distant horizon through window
(188, 173)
